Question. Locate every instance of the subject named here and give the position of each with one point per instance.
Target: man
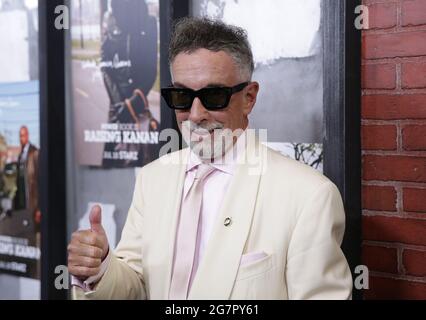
(129, 69)
(271, 233)
(26, 196)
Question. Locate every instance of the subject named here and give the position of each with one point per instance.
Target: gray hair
(191, 34)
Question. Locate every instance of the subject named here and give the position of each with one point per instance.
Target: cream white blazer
(287, 214)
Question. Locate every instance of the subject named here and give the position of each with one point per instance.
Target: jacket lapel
(166, 235)
(219, 266)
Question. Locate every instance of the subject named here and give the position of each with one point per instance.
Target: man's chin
(209, 153)
(202, 135)
(206, 154)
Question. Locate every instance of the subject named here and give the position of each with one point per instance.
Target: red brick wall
(394, 149)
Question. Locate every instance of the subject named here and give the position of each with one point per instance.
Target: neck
(233, 150)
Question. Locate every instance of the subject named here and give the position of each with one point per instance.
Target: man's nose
(197, 112)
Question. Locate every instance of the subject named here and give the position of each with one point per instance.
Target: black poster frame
(52, 149)
(342, 117)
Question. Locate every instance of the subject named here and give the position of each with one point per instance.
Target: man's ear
(250, 97)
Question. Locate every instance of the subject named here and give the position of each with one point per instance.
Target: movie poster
(288, 68)
(20, 214)
(115, 81)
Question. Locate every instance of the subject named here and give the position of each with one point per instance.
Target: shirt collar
(26, 147)
(227, 162)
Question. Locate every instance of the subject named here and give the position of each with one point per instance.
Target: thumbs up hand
(95, 219)
(88, 248)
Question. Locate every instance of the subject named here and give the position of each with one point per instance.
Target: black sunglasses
(212, 98)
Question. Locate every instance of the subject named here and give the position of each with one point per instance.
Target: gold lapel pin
(227, 222)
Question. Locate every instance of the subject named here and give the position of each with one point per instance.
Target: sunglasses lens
(214, 98)
(180, 99)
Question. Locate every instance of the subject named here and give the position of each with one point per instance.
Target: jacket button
(227, 222)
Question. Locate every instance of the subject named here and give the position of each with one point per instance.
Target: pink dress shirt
(215, 188)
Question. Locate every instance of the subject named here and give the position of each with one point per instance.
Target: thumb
(95, 219)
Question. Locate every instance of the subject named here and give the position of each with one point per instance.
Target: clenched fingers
(84, 272)
(81, 249)
(76, 260)
(87, 237)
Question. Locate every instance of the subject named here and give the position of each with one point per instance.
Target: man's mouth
(203, 132)
(199, 135)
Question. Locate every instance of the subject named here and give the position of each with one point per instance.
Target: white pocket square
(252, 257)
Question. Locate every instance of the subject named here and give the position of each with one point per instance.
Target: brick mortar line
(399, 262)
(394, 60)
(405, 122)
(399, 143)
(398, 15)
(393, 183)
(398, 77)
(398, 277)
(384, 153)
(415, 215)
(393, 30)
(393, 92)
(373, 60)
(399, 212)
(393, 214)
(385, 213)
(394, 245)
(399, 200)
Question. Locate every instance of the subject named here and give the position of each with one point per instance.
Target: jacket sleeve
(316, 266)
(123, 278)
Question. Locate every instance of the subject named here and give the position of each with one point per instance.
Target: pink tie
(187, 236)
